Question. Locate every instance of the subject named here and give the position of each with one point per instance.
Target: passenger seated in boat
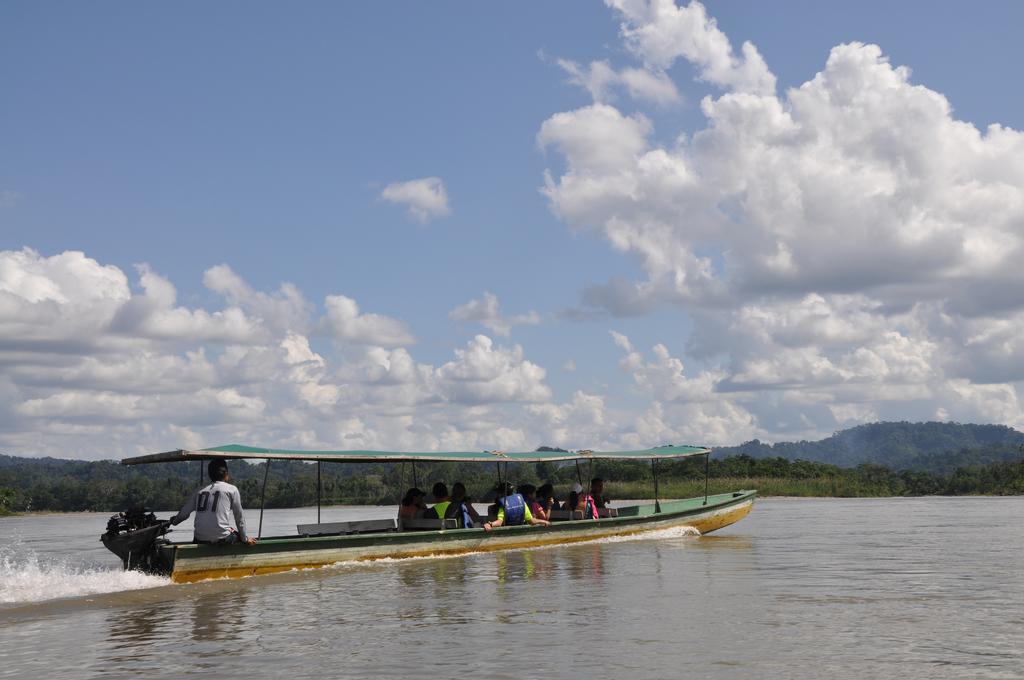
(412, 504)
(574, 498)
(583, 502)
(441, 502)
(528, 492)
(597, 492)
(512, 509)
(546, 499)
(214, 506)
(461, 507)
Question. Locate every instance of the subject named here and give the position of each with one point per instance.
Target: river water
(829, 588)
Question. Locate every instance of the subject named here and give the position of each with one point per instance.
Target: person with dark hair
(529, 492)
(581, 501)
(214, 505)
(441, 501)
(546, 499)
(512, 509)
(461, 507)
(597, 493)
(412, 504)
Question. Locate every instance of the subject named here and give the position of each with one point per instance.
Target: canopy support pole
(590, 492)
(707, 470)
(263, 496)
(201, 474)
(318, 492)
(579, 475)
(654, 471)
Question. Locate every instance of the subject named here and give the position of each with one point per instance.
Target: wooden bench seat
(359, 526)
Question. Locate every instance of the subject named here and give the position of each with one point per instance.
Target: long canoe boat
(138, 539)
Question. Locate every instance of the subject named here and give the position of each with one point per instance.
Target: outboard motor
(135, 536)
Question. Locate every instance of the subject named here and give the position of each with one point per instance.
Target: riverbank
(887, 485)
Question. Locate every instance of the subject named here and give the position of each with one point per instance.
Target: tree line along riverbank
(60, 485)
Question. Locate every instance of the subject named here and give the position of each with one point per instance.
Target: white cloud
(154, 315)
(67, 298)
(663, 378)
(484, 373)
(284, 310)
(845, 249)
(90, 368)
(425, 198)
(26, 275)
(596, 139)
(344, 323)
(659, 33)
(487, 311)
(601, 81)
(9, 199)
(583, 419)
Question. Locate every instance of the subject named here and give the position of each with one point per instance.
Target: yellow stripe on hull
(235, 565)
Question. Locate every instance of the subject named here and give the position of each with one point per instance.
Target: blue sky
(263, 137)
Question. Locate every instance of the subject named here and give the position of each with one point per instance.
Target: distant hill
(932, 447)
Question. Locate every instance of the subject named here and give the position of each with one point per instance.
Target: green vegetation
(774, 477)
(880, 459)
(59, 485)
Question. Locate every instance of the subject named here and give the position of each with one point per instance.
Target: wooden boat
(138, 539)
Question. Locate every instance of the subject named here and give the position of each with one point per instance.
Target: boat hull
(191, 562)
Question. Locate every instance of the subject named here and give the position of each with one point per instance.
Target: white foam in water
(24, 577)
(671, 532)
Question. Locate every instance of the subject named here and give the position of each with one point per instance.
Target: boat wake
(27, 577)
(657, 534)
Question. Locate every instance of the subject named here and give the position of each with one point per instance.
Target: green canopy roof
(240, 451)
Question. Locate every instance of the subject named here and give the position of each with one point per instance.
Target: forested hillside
(881, 459)
(933, 447)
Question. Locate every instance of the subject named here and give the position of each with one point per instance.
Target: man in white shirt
(214, 506)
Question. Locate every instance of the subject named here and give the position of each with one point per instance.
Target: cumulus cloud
(487, 311)
(154, 315)
(425, 198)
(345, 323)
(584, 418)
(659, 32)
(845, 250)
(284, 310)
(95, 365)
(602, 81)
(483, 372)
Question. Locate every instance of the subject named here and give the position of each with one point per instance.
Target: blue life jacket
(459, 512)
(515, 509)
